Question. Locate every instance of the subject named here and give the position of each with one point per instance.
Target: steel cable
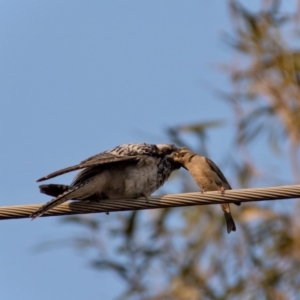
(171, 200)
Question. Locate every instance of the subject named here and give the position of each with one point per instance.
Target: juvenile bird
(126, 171)
(208, 177)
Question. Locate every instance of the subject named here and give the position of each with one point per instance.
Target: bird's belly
(206, 184)
(130, 182)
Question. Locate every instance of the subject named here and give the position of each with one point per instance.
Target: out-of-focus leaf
(130, 228)
(85, 221)
(200, 128)
(249, 214)
(159, 226)
(110, 265)
(175, 138)
(253, 124)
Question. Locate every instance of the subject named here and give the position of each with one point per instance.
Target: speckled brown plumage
(127, 171)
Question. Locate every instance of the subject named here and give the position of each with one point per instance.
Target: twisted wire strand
(171, 200)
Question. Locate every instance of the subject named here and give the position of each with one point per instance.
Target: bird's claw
(221, 190)
(144, 196)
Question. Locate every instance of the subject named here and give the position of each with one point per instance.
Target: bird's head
(180, 156)
(166, 149)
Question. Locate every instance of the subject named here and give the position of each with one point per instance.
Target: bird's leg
(96, 198)
(145, 196)
(103, 196)
(221, 190)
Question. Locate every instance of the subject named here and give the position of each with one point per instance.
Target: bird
(208, 177)
(126, 171)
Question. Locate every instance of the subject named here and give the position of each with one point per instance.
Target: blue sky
(80, 77)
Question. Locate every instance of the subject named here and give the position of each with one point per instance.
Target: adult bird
(208, 177)
(126, 171)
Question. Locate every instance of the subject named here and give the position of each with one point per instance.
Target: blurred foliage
(186, 253)
(265, 76)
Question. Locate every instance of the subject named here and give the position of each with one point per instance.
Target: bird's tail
(65, 196)
(229, 222)
(228, 217)
(53, 190)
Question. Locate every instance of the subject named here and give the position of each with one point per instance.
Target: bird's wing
(216, 169)
(96, 160)
(125, 152)
(91, 171)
